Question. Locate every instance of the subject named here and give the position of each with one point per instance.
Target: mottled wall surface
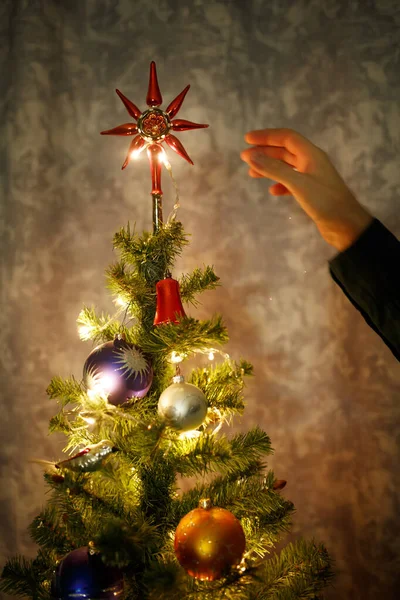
(326, 389)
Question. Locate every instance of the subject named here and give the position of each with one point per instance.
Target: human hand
(305, 172)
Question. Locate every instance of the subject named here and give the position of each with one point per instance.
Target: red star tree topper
(153, 127)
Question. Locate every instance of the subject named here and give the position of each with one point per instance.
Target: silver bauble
(182, 405)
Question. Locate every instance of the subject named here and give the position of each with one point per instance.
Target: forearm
(368, 273)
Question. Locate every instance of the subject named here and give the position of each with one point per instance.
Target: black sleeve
(368, 273)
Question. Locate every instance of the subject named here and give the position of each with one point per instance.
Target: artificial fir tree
(116, 523)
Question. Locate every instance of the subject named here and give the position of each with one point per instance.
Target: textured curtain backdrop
(326, 388)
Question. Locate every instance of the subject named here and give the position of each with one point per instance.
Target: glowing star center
(154, 124)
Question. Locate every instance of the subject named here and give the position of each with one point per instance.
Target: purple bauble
(119, 370)
(81, 575)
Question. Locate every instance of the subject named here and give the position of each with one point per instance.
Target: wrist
(344, 232)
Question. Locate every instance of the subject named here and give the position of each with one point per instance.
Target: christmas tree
(118, 522)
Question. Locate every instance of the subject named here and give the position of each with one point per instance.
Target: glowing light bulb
(190, 435)
(135, 153)
(176, 358)
(86, 331)
(89, 420)
(96, 394)
(120, 301)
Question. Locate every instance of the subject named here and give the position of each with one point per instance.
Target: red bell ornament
(169, 304)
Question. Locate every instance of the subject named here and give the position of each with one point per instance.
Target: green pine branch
(186, 336)
(198, 281)
(163, 579)
(123, 542)
(101, 328)
(65, 390)
(67, 511)
(22, 577)
(158, 488)
(209, 453)
(152, 255)
(132, 289)
(223, 384)
(48, 531)
(300, 571)
(222, 491)
(60, 424)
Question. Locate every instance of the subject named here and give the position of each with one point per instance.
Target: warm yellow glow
(205, 548)
(189, 435)
(163, 158)
(120, 301)
(211, 352)
(86, 331)
(99, 391)
(176, 358)
(89, 420)
(135, 153)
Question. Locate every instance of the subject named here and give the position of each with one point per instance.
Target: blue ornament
(118, 370)
(82, 575)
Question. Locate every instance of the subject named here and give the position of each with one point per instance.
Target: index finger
(286, 138)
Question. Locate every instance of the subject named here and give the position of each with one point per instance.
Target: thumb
(272, 168)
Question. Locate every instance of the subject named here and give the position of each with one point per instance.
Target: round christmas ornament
(83, 575)
(209, 541)
(182, 405)
(119, 370)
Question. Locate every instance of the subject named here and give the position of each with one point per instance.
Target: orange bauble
(208, 541)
